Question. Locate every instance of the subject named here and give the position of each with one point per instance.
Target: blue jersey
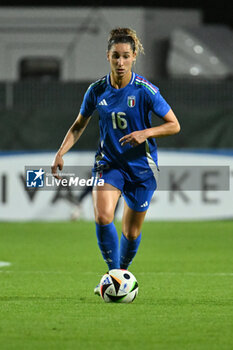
(122, 111)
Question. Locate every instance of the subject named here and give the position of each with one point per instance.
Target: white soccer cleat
(76, 213)
(97, 290)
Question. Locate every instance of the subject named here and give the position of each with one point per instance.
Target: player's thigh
(137, 200)
(132, 222)
(105, 199)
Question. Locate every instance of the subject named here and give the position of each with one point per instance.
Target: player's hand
(134, 139)
(58, 162)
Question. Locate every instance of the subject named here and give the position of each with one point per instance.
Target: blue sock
(128, 250)
(107, 239)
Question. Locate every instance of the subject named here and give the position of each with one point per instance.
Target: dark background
(213, 11)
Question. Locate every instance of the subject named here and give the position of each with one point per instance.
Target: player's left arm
(170, 126)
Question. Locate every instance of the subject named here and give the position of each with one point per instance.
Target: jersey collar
(130, 83)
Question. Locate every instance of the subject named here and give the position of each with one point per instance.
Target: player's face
(121, 58)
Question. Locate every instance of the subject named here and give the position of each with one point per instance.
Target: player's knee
(132, 234)
(104, 218)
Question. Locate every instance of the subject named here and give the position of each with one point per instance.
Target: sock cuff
(104, 226)
(133, 242)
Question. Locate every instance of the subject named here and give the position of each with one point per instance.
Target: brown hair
(125, 35)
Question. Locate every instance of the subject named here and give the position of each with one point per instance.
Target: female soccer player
(127, 155)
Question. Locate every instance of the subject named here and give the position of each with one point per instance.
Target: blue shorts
(136, 194)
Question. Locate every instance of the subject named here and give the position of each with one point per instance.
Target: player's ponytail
(125, 35)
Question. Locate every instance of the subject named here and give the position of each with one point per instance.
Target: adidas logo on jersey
(144, 204)
(103, 103)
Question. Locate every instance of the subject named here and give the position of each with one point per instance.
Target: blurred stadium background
(50, 54)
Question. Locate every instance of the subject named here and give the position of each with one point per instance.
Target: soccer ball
(118, 286)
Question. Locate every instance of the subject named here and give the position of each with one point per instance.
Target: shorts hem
(112, 184)
(131, 206)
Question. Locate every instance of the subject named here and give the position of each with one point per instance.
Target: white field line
(4, 263)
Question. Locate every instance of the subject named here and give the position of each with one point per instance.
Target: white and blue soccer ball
(118, 286)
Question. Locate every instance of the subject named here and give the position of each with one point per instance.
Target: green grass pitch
(185, 300)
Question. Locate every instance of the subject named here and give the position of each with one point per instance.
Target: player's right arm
(70, 139)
